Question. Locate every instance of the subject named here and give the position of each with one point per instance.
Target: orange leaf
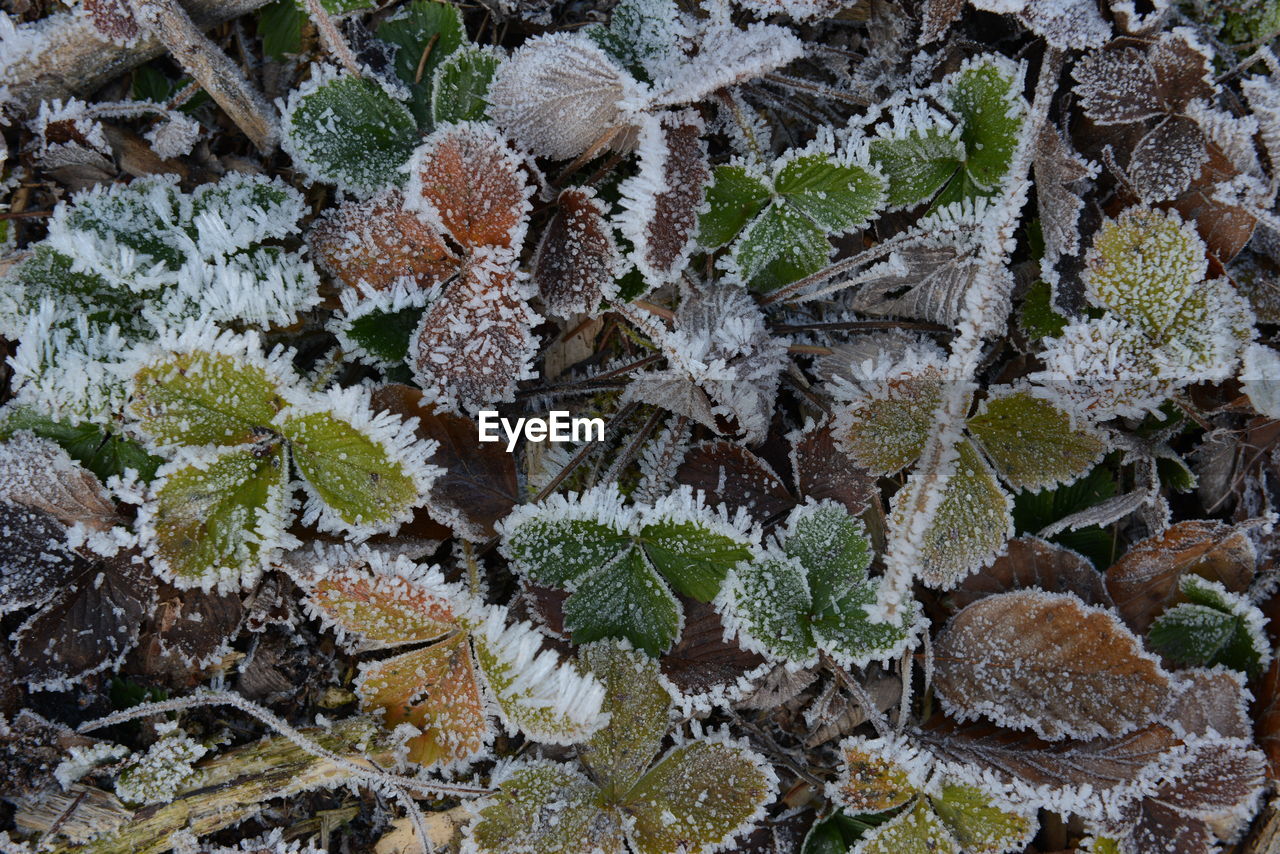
(386, 610)
(467, 182)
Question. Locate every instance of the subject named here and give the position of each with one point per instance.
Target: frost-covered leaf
(1147, 579)
(194, 628)
(639, 702)
(475, 342)
(885, 430)
(734, 197)
(1211, 702)
(89, 625)
(839, 197)
(547, 808)
(1167, 159)
(1030, 563)
(1047, 662)
(1117, 86)
(114, 20)
(35, 560)
(1032, 443)
(986, 97)
(426, 34)
(460, 88)
(698, 797)
(374, 244)
(39, 474)
(217, 518)
(779, 246)
(918, 154)
(642, 36)
(971, 525)
(154, 777)
(1059, 171)
(103, 453)
(577, 263)
(661, 201)
(466, 182)
(347, 131)
(927, 279)
(437, 690)
(916, 830)
(364, 472)
(872, 778)
(536, 693)
(624, 599)
(691, 550)
(728, 474)
(565, 537)
(822, 472)
(977, 824)
(560, 94)
(726, 55)
(1214, 627)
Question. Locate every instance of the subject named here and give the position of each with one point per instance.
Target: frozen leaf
(985, 95)
(577, 263)
(560, 94)
(475, 342)
(978, 825)
(35, 561)
(1147, 579)
(971, 525)
(873, 777)
(1214, 627)
(1030, 563)
(1117, 86)
(156, 776)
(734, 197)
(89, 625)
(691, 551)
(566, 537)
(822, 472)
(1032, 443)
(373, 245)
(726, 55)
(918, 153)
(394, 605)
(779, 246)
(347, 131)
(377, 330)
(218, 517)
(662, 200)
(39, 474)
(466, 182)
(885, 430)
(700, 795)
(105, 454)
(1167, 159)
(937, 16)
(839, 197)
(1059, 171)
(916, 830)
(194, 628)
(1210, 702)
(707, 669)
(1047, 662)
(460, 87)
(642, 36)
(624, 599)
(727, 473)
(544, 807)
(425, 33)
(478, 486)
(114, 20)
(1064, 25)
(363, 472)
(639, 702)
(435, 689)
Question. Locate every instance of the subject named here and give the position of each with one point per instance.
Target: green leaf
(698, 797)
(1032, 443)
(837, 197)
(734, 198)
(204, 398)
(832, 547)
(886, 433)
(105, 454)
(916, 830)
(216, 521)
(422, 28)
(280, 25)
(985, 97)
(971, 524)
(560, 540)
(693, 557)
(977, 825)
(639, 705)
(1039, 318)
(778, 247)
(385, 335)
(545, 807)
(460, 87)
(50, 274)
(1214, 627)
(833, 834)
(917, 162)
(772, 603)
(1034, 511)
(348, 131)
(641, 35)
(353, 480)
(624, 599)
(138, 215)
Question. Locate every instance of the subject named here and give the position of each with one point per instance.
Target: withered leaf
(1117, 85)
(40, 474)
(577, 261)
(1032, 563)
(1225, 227)
(729, 474)
(1266, 713)
(1058, 169)
(937, 16)
(1050, 663)
(35, 561)
(1167, 159)
(1206, 702)
(114, 20)
(196, 627)
(1144, 582)
(702, 662)
(479, 484)
(824, 472)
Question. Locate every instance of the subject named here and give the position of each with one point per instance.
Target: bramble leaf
(426, 34)
(391, 607)
(105, 454)
(871, 779)
(688, 552)
(1032, 443)
(976, 824)
(624, 599)
(577, 263)
(986, 97)
(734, 198)
(564, 538)
(36, 561)
(916, 830)
(918, 154)
(347, 131)
(1215, 627)
(460, 88)
(546, 807)
(885, 431)
(779, 246)
(838, 197)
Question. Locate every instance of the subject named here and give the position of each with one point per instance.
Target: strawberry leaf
(460, 86)
(1032, 443)
(624, 599)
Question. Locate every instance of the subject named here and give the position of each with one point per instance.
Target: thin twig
(332, 38)
(859, 694)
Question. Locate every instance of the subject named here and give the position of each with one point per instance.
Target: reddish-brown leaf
(702, 662)
(577, 260)
(1210, 701)
(372, 245)
(114, 20)
(1225, 228)
(195, 627)
(475, 342)
(729, 474)
(824, 472)
(1050, 663)
(1032, 563)
(1266, 714)
(465, 180)
(479, 484)
(1145, 581)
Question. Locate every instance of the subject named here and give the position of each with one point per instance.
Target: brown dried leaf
(372, 245)
(1050, 663)
(475, 342)
(35, 562)
(114, 20)
(196, 627)
(577, 261)
(1146, 580)
(1167, 159)
(1210, 701)
(40, 474)
(467, 182)
(1266, 713)
(937, 16)
(1117, 85)
(729, 474)
(1223, 226)
(702, 662)
(1032, 563)
(824, 472)
(479, 484)
(1058, 168)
